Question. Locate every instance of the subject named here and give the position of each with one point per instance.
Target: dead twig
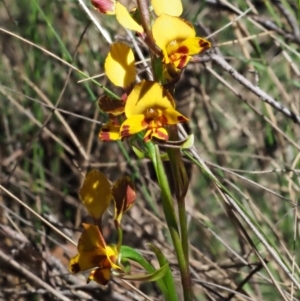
(220, 61)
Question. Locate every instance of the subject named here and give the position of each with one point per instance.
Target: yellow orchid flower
(177, 40)
(96, 194)
(150, 107)
(94, 253)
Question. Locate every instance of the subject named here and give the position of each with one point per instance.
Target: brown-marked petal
(159, 133)
(124, 196)
(95, 193)
(169, 7)
(125, 19)
(194, 45)
(119, 65)
(110, 105)
(91, 239)
(91, 250)
(171, 116)
(109, 132)
(101, 276)
(133, 125)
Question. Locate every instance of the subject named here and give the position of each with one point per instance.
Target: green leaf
(139, 153)
(130, 253)
(168, 277)
(189, 142)
(154, 276)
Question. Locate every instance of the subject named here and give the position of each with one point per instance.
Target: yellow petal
(91, 250)
(169, 7)
(95, 193)
(119, 65)
(171, 116)
(85, 261)
(112, 257)
(109, 132)
(125, 19)
(133, 125)
(194, 45)
(168, 29)
(91, 239)
(101, 276)
(147, 95)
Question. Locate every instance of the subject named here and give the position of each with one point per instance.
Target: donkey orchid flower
(150, 107)
(96, 194)
(177, 40)
(94, 253)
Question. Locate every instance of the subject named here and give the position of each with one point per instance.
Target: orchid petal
(119, 65)
(91, 250)
(194, 45)
(168, 29)
(95, 193)
(101, 276)
(109, 132)
(171, 117)
(147, 95)
(159, 133)
(124, 196)
(169, 7)
(111, 105)
(133, 125)
(125, 19)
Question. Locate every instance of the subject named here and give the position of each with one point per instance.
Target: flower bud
(107, 7)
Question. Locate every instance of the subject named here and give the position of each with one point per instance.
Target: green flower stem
(181, 179)
(171, 219)
(120, 235)
(168, 278)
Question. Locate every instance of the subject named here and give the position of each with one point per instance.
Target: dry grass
(49, 127)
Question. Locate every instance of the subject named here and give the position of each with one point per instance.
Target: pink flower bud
(105, 6)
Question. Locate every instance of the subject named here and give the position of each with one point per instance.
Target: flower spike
(93, 252)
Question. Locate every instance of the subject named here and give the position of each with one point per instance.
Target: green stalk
(170, 216)
(180, 178)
